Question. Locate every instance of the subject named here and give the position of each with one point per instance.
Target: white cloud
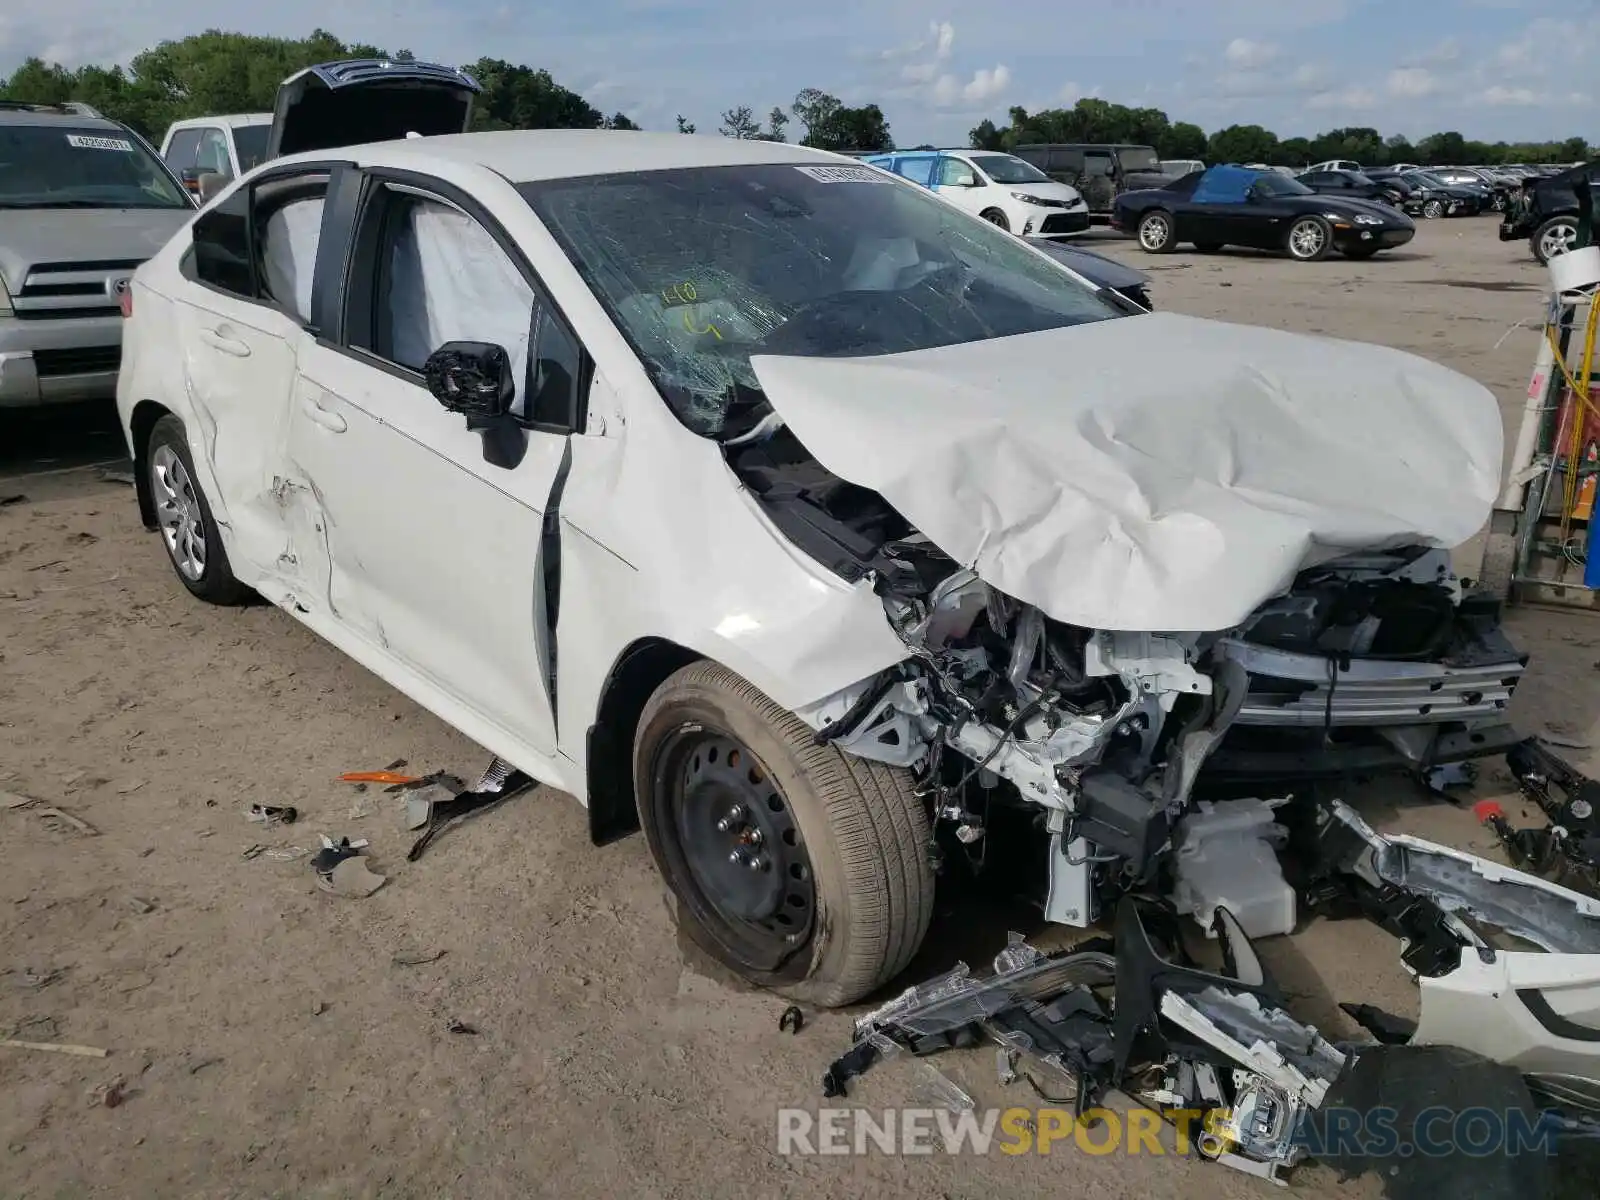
(1070, 93)
(1242, 52)
(1447, 51)
(1348, 99)
(1308, 76)
(985, 84)
(1412, 82)
(1501, 96)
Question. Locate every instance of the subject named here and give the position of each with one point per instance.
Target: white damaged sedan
(763, 500)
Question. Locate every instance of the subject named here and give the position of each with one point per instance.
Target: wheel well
(637, 673)
(145, 415)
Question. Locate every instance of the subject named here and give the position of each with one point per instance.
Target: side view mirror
(211, 182)
(475, 379)
(190, 178)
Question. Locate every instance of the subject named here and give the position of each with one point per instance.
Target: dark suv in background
(1100, 172)
(1546, 212)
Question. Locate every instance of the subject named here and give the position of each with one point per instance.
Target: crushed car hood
(1167, 473)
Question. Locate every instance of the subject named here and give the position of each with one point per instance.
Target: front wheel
(1433, 209)
(798, 866)
(1157, 233)
(995, 217)
(1309, 239)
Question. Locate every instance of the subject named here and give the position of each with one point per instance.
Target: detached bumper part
(1539, 1013)
(1144, 1021)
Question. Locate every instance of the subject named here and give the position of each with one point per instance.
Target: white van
(1000, 188)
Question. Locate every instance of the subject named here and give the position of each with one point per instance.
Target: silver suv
(83, 201)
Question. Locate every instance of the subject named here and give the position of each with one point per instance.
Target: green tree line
(1095, 120)
(218, 72)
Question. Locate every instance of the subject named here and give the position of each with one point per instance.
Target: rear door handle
(330, 421)
(218, 340)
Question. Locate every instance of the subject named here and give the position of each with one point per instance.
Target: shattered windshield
(703, 267)
(57, 166)
(1005, 168)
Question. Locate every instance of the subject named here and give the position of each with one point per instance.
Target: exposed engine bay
(1369, 662)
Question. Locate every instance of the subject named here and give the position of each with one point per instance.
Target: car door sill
(490, 734)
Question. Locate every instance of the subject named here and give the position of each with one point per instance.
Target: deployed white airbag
(451, 282)
(289, 253)
(1160, 472)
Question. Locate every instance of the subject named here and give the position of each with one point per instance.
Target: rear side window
(918, 170)
(260, 243)
(222, 247)
(1069, 161)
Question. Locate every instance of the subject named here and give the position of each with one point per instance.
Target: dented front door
(430, 553)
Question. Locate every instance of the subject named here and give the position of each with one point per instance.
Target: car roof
(48, 117)
(530, 155)
(232, 120)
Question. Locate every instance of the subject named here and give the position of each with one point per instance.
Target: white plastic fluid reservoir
(1227, 856)
(1575, 271)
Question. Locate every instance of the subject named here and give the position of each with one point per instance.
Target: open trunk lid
(362, 100)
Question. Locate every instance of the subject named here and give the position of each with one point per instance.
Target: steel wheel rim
(178, 513)
(1306, 239)
(1558, 239)
(743, 853)
(1153, 233)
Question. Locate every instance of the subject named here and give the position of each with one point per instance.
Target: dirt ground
(270, 1038)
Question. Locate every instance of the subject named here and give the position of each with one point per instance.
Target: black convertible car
(1242, 206)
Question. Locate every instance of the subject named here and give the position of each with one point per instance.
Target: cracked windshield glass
(703, 268)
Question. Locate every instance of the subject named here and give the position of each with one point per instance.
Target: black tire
(1208, 247)
(1361, 252)
(1542, 240)
(995, 217)
(861, 838)
(1157, 232)
(1298, 244)
(214, 582)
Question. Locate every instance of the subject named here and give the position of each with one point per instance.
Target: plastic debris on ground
(438, 813)
(342, 871)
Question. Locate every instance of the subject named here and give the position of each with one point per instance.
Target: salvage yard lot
(277, 1041)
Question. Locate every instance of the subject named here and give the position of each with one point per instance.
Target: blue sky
(1489, 68)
